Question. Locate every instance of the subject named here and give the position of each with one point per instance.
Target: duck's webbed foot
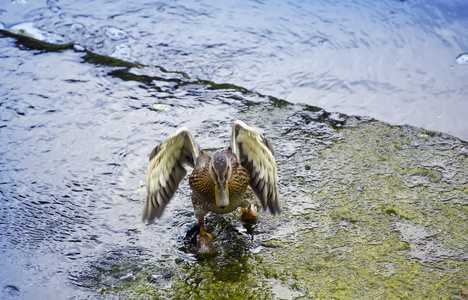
(204, 239)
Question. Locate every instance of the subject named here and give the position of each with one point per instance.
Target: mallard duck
(220, 184)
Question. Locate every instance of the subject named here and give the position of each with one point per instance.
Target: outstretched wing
(166, 170)
(255, 153)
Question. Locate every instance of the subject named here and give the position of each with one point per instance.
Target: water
(391, 60)
(76, 131)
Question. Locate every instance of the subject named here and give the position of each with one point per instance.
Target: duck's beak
(221, 195)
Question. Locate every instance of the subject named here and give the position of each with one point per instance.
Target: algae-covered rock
(371, 211)
(391, 221)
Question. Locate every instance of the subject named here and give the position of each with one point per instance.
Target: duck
(222, 183)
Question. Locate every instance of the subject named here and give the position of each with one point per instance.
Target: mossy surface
(390, 221)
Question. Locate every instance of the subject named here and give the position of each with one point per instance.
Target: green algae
(382, 176)
(97, 59)
(31, 43)
(207, 280)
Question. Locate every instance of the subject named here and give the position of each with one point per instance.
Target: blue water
(392, 60)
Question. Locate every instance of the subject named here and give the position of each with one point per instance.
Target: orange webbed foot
(204, 242)
(204, 239)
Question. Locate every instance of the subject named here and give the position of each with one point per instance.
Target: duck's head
(220, 172)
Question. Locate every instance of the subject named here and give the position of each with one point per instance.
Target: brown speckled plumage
(220, 184)
(203, 187)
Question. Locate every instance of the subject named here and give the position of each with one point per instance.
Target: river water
(76, 130)
(392, 60)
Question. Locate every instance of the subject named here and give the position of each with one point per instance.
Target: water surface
(391, 60)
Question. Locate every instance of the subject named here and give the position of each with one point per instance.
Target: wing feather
(166, 170)
(256, 154)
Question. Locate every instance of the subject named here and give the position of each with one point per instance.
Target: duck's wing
(255, 153)
(166, 170)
